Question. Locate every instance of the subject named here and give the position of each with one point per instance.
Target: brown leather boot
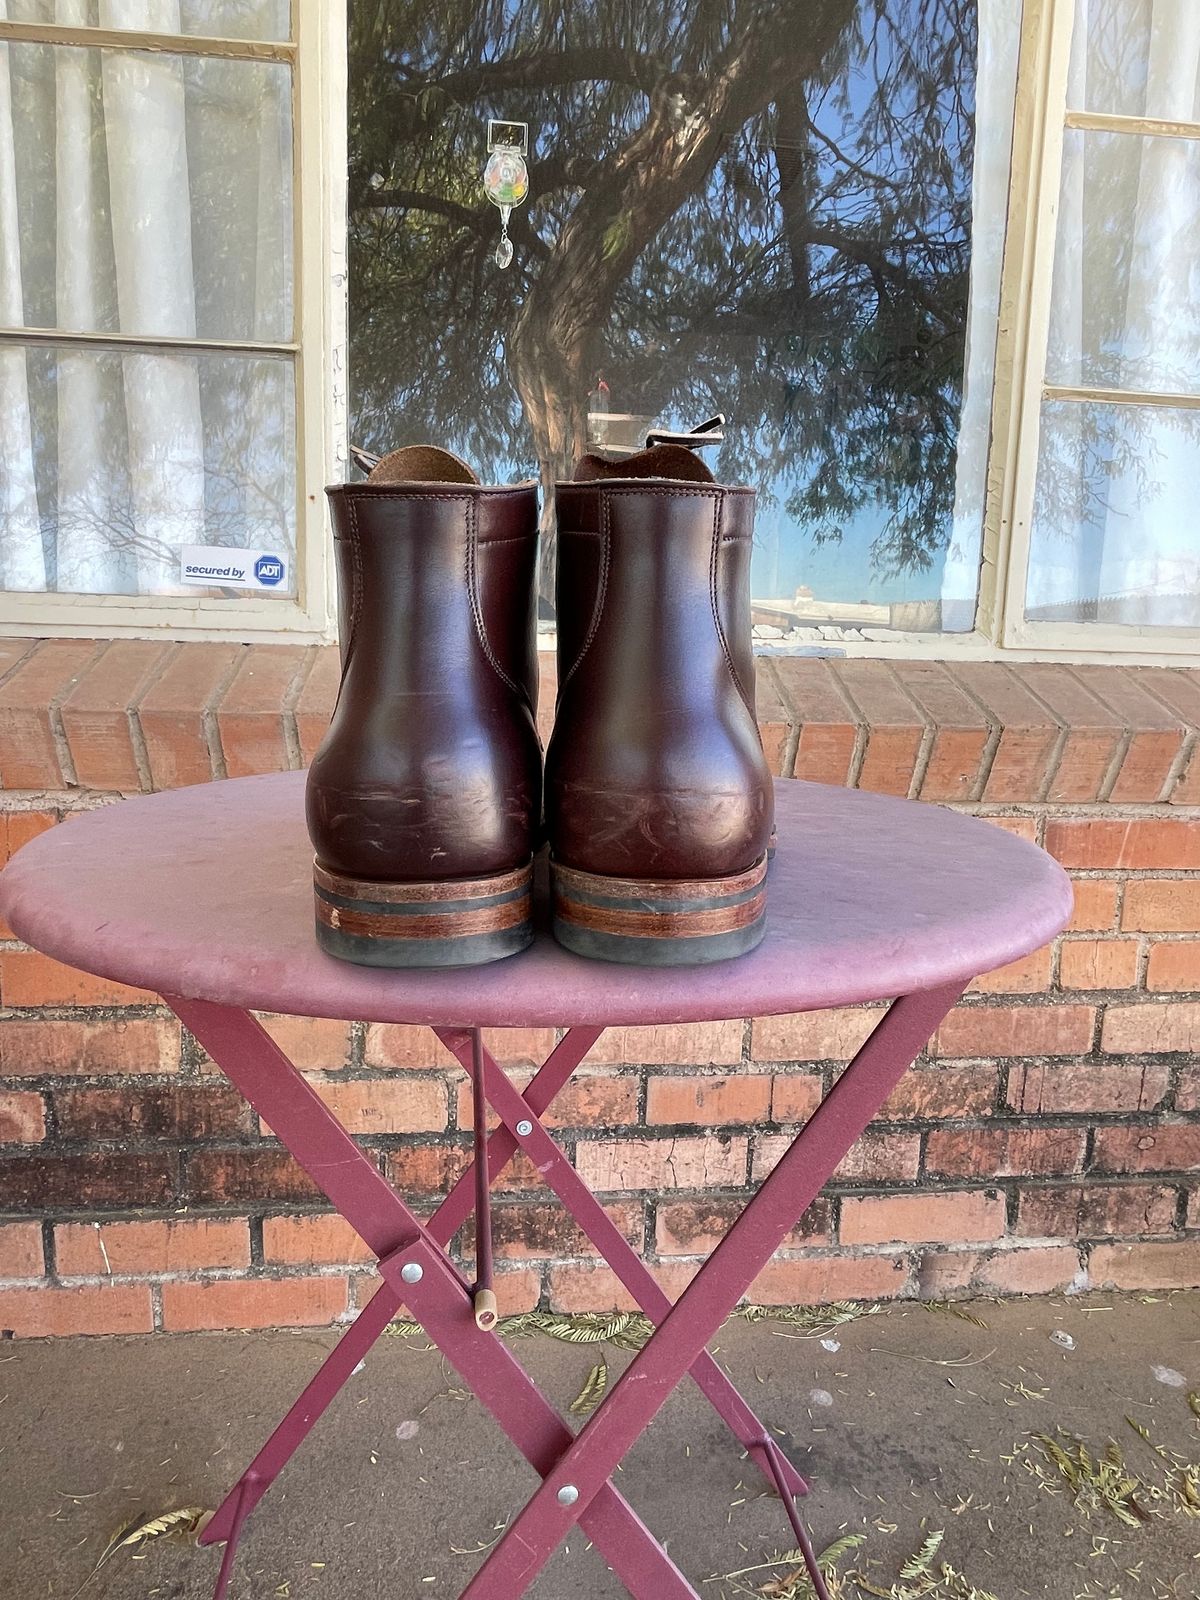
(659, 804)
(424, 799)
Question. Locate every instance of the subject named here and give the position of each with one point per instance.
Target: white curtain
(1114, 535)
(149, 194)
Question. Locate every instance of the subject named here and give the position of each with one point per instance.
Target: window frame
(1035, 239)
(315, 55)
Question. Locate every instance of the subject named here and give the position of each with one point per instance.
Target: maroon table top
(207, 893)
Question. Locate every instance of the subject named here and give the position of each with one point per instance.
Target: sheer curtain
(1114, 535)
(149, 194)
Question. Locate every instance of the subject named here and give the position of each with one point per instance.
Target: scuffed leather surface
(656, 767)
(431, 768)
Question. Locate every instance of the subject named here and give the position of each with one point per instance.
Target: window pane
(153, 193)
(1114, 527)
(1126, 299)
(758, 210)
(114, 461)
(1136, 58)
(217, 19)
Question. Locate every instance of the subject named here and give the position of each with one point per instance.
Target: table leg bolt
(412, 1272)
(568, 1495)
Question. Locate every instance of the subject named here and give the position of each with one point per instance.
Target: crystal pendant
(504, 252)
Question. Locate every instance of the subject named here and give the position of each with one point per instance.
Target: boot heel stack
(660, 922)
(457, 922)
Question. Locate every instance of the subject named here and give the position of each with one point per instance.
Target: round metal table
(204, 896)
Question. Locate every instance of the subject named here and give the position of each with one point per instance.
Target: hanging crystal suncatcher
(506, 177)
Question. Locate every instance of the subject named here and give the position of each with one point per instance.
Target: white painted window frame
(316, 57)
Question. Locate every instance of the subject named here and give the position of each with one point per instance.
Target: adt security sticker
(215, 566)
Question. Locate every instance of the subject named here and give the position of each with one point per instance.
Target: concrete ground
(912, 1422)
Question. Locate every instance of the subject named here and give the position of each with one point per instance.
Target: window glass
(1136, 58)
(117, 461)
(1115, 516)
(218, 19)
(153, 193)
(761, 209)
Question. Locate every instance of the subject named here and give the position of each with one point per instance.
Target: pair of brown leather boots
(426, 800)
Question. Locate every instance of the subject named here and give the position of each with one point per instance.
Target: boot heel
(659, 922)
(460, 922)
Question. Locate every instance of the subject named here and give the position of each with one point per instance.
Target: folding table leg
(254, 1062)
(517, 1110)
(658, 1367)
(362, 1333)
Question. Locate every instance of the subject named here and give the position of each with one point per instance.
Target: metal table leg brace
(419, 1274)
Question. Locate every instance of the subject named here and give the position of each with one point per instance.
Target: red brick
(1187, 1095)
(251, 713)
(1174, 966)
(1029, 1030)
(895, 727)
(1092, 1210)
(929, 1218)
(1095, 906)
(1170, 1025)
(151, 1248)
(386, 1105)
(46, 1311)
(1020, 824)
(174, 712)
(696, 1227)
(400, 1045)
(1041, 1090)
(709, 1101)
(314, 1044)
(591, 1286)
(237, 1177)
(1024, 760)
(1028, 1269)
(428, 1169)
(703, 1162)
(313, 1241)
(1170, 1147)
(828, 725)
(960, 730)
(815, 1280)
(525, 1232)
(1146, 845)
(1162, 905)
(314, 705)
(1169, 1265)
(589, 1100)
(58, 1049)
(28, 696)
(17, 828)
(998, 1152)
(813, 1035)
(21, 1250)
(1029, 975)
(28, 978)
(96, 716)
(685, 1044)
(88, 1180)
(254, 1303)
(1093, 732)
(875, 1158)
(518, 1289)
(1098, 963)
(22, 1117)
(942, 1273)
(794, 1096)
(932, 1093)
(775, 720)
(1156, 736)
(179, 1112)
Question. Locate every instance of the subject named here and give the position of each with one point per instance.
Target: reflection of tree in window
(756, 207)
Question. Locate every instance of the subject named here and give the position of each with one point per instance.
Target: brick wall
(1049, 1137)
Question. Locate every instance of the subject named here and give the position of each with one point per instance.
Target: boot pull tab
(667, 455)
(710, 431)
(414, 463)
